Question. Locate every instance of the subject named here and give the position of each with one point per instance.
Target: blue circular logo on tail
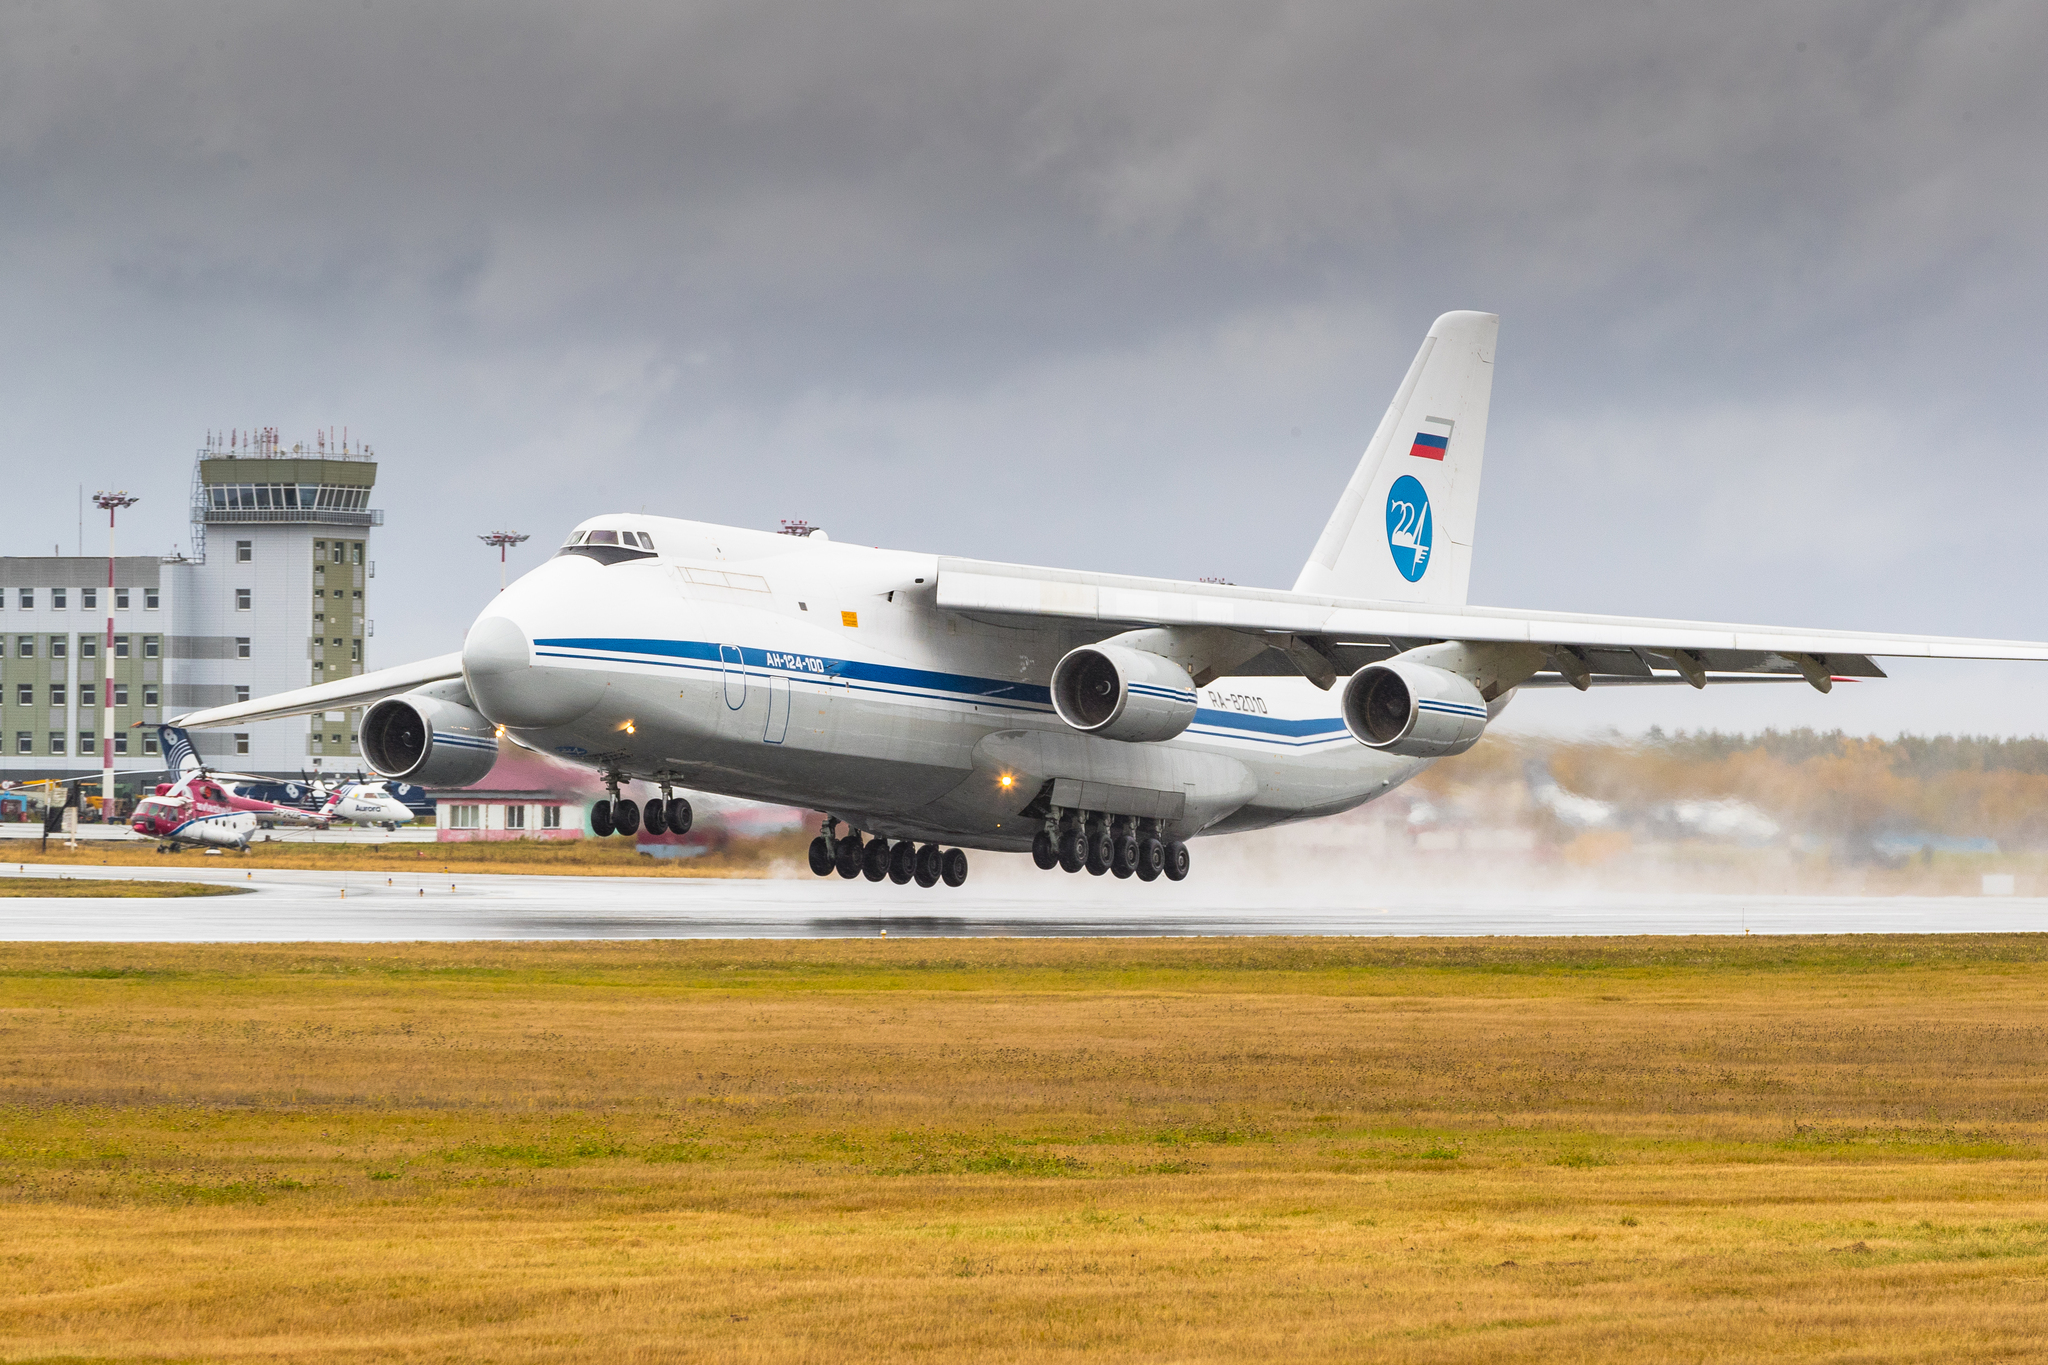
(1408, 528)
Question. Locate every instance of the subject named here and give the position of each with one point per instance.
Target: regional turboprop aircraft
(932, 704)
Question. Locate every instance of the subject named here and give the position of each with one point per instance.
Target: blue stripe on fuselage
(698, 655)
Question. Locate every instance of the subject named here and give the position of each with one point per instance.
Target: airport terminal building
(275, 594)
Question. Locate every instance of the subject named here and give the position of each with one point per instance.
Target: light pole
(112, 502)
(504, 540)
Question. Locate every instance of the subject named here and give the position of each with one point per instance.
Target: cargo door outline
(776, 728)
(732, 664)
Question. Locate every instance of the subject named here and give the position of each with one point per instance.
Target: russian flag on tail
(1431, 443)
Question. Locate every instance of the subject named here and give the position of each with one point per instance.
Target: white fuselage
(369, 804)
(798, 670)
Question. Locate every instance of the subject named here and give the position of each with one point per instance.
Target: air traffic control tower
(276, 595)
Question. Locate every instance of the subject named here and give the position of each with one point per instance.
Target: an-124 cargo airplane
(929, 704)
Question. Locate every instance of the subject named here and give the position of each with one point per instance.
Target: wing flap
(337, 695)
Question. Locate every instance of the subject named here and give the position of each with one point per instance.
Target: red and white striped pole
(113, 502)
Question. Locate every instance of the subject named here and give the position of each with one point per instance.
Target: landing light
(629, 727)
(1006, 781)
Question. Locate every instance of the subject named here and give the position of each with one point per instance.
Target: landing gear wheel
(1124, 861)
(902, 862)
(626, 817)
(1101, 849)
(601, 819)
(954, 866)
(679, 816)
(929, 869)
(1151, 858)
(1073, 850)
(821, 857)
(1044, 852)
(657, 818)
(1176, 860)
(849, 856)
(874, 860)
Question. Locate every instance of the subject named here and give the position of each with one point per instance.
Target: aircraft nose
(507, 686)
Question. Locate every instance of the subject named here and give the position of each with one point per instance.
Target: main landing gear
(1072, 840)
(668, 815)
(901, 861)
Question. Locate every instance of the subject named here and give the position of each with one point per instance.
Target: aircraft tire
(1151, 858)
(1125, 860)
(902, 862)
(601, 818)
(930, 860)
(680, 816)
(849, 855)
(874, 860)
(1073, 850)
(954, 867)
(1176, 860)
(656, 818)
(1101, 852)
(626, 818)
(821, 857)
(1045, 852)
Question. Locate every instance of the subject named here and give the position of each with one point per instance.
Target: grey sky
(1122, 287)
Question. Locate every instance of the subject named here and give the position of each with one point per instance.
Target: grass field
(1402, 1150)
(107, 886)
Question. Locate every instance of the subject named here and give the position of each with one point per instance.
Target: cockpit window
(602, 538)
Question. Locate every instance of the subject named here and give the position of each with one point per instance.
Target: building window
(149, 599)
(120, 694)
(241, 742)
(321, 669)
(245, 550)
(550, 817)
(149, 741)
(149, 646)
(88, 647)
(120, 743)
(355, 651)
(241, 691)
(28, 599)
(356, 552)
(59, 644)
(56, 741)
(464, 817)
(57, 599)
(241, 646)
(120, 599)
(25, 647)
(241, 599)
(87, 741)
(24, 694)
(88, 599)
(319, 551)
(24, 742)
(149, 699)
(120, 646)
(515, 817)
(337, 552)
(56, 694)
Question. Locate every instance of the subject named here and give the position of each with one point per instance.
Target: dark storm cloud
(1063, 281)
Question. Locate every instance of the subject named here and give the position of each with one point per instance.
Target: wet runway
(285, 906)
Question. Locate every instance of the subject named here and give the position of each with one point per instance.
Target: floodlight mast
(504, 540)
(113, 503)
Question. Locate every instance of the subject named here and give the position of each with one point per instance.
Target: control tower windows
(245, 551)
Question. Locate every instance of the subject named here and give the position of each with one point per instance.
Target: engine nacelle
(429, 739)
(1122, 693)
(1413, 710)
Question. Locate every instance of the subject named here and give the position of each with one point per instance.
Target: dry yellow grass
(101, 887)
(1127, 1151)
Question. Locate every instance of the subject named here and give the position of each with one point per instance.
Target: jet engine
(1122, 693)
(429, 738)
(1413, 710)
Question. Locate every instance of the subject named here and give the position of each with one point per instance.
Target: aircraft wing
(342, 692)
(1350, 633)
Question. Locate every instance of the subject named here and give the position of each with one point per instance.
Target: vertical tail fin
(1403, 530)
(180, 756)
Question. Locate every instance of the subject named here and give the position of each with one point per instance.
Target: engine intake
(429, 739)
(1413, 710)
(1121, 693)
